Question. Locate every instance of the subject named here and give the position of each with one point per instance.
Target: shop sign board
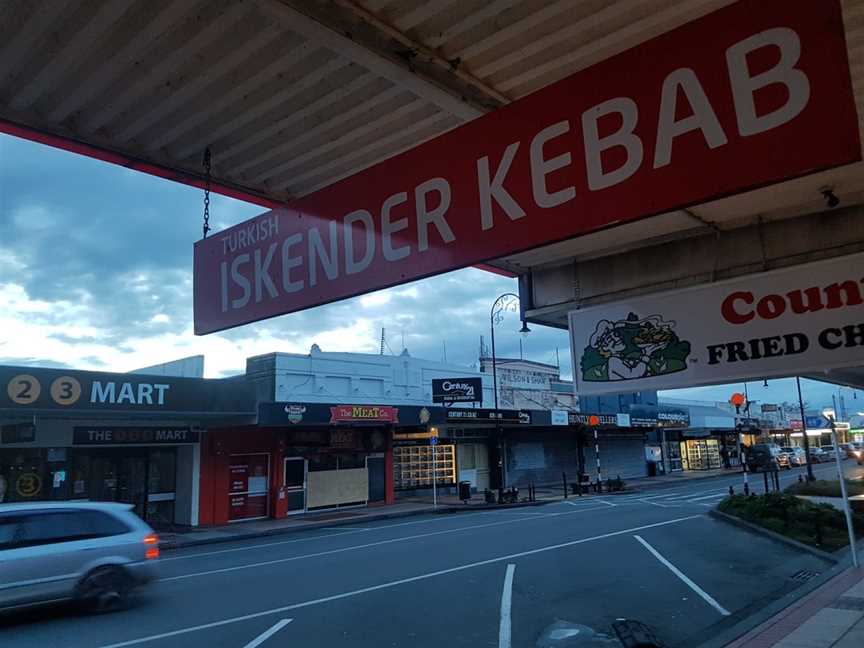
(594, 420)
(457, 390)
(673, 417)
(785, 322)
(752, 94)
(796, 425)
(69, 390)
(105, 435)
(364, 413)
(559, 417)
(769, 407)
(484, 415)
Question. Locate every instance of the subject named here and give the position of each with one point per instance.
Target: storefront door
(132, 483)
(295, 484)
(249, 477)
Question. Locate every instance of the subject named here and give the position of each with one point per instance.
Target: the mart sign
(780, 323)
(752, 94)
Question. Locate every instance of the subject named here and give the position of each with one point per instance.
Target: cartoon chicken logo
(633, 348)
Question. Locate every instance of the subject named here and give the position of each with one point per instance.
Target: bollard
(765, 475)
(564, 478)
(746, 488)
(731, 490)
(777, 481)
(800, 479)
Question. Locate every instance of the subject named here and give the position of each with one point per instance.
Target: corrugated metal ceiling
(292, 95)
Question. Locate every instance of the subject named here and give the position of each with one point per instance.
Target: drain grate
(803, 575)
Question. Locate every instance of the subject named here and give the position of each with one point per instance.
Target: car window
(99, 524)
(48, 527)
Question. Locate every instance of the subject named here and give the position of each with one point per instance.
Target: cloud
(95, 272)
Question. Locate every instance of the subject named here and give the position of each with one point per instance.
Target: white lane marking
(705, 497)
(264, 636)
(705, 595)
(338, 528)
(367, 545)
(504, 634)
(654, 503)
(255, 546)
(395, 583)
(669, 494)
(607, 503)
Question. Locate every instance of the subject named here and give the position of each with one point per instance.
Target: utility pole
(383, 340)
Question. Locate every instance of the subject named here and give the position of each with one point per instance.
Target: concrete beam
(700, 259)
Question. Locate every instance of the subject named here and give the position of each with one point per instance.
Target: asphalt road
(556, 575)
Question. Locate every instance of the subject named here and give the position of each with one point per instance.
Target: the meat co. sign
(781, 323)
(752, 94)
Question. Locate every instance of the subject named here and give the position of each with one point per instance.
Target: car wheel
(104, 589)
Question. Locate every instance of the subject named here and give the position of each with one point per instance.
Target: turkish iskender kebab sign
(779, 323)
(749, 95)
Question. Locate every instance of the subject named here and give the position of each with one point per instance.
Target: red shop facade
(302, 457)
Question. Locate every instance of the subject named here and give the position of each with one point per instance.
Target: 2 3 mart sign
(749, 95)
(778, 323)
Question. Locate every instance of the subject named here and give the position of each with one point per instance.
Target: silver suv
(93, 553)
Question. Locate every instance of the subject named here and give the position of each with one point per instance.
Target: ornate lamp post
(504, 303)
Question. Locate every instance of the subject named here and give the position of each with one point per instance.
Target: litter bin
(464, 490)
(652, 469)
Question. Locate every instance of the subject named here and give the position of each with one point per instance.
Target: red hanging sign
(359, 413)
(752, 94)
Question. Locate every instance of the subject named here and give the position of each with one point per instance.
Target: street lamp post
(505, 302)
(810, 476)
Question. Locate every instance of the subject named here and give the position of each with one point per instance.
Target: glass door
(132, 483)
(295, 484)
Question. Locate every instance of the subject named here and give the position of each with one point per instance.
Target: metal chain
(206, 191)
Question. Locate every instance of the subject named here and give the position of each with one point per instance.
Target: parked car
(94, 553)
(797, 457)
(818, 455)
(763, 456)
(856, 451)
(830, 450)
(783, 460)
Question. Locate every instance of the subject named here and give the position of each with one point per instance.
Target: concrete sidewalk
(832, 616)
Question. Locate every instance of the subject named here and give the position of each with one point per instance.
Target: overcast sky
(96, 273)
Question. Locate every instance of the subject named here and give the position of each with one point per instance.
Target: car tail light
(151, 546)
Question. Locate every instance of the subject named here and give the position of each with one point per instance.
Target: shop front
(305, 457)
(94, 445)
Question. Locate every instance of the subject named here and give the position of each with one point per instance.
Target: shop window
(413, 466)
(163, 471)
(348, 461)
(24, 476)
(323, 462)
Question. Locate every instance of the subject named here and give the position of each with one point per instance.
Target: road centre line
(505, 626)
(707, 597)
(264, 636)
(395, 583)
(367, 545)
(258, 546)
(348, 531)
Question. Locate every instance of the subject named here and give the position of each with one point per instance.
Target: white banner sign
(779, 323)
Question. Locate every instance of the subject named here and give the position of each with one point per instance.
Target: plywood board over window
(337, 487)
